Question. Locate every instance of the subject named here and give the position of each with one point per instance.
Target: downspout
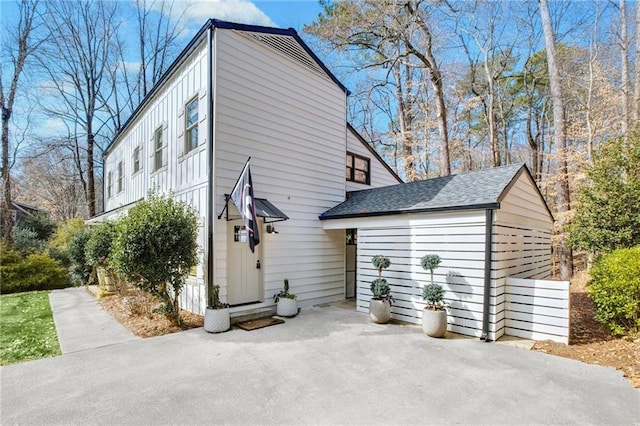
(488, 241)
(211, 157)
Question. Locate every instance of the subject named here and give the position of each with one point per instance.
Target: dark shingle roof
(474, 190)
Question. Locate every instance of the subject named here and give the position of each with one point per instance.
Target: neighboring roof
(482, 189)
(199, 38)
(373, 152)
(26, 209)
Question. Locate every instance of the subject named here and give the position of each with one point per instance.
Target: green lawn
(27, 330)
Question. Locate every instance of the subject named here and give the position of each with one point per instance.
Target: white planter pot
(287, 307)
(434, 323)
(380, 311)
(216, 320)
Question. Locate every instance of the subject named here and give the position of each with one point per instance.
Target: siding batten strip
(211, 184)
(488, 237)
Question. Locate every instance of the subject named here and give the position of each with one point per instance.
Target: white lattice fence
(537, 309)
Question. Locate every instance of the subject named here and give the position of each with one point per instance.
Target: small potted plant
(216, 316)
(380, 303)
(287, 303)
(434, 315)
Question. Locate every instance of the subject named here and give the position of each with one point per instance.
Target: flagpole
(240, 175)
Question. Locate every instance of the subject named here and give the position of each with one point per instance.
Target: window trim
(189, 128)
(158, 151)
(352, 168)
(120, 184)
(109, 185)
(137, 159)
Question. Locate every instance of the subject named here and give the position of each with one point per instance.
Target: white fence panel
(537, 309)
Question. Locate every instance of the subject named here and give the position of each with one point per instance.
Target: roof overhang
(324, 216)
(264, 209)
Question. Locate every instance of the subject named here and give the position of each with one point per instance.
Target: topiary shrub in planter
(287, 303)
(615, 291)
(156, 247)
(216, 316)
(381, 301)
(434, 315)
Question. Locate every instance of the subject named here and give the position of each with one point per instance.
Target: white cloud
(196, 12)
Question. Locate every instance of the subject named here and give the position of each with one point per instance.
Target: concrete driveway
(329, 365)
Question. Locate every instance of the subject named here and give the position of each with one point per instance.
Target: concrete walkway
(329, 365)
(82, 324)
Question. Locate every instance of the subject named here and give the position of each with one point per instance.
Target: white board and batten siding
(183, 174)
(537, 309)
(379, 174)
(521, 242)
(291, 121)
(457, 237)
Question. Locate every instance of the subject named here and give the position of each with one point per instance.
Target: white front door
(244, 283)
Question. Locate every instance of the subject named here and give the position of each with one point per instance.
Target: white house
(486, 226)
(239, 91)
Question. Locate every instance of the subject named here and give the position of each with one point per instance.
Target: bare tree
(559, 139)
(50, 180)
(390, 33)
(77, 60)
(20, 45)
(155, 46)
(636, 103)
(624, 69)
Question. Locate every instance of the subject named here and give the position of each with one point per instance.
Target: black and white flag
(242, 197)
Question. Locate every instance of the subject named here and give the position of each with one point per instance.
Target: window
(191, 125)
(136, 160)
(358, 169)
(158, 160)
(120, 176)
(109, 184)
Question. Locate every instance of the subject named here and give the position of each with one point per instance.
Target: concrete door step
(252, 314)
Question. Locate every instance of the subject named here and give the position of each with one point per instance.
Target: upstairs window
(358, 169)
(109, 184)
(120, 176)
(191, 125)
(158, 156)
(137, 165)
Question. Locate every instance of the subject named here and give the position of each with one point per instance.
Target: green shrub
(65, 232)
(155, 248)
(615, 290)
(27, 240)
(80, 268)
(98, 247)
(37, 271)
(38, 223)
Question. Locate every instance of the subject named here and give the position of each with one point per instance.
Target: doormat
(259, 323)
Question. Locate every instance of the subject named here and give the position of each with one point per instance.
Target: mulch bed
(144, 322)
(590, 342)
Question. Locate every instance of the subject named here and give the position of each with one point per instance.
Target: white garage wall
(457, 237)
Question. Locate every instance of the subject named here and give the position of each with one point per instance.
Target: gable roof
(312, 61)
(483, 189)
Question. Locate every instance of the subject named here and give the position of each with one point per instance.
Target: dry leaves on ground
(592, 343)
(135, 312)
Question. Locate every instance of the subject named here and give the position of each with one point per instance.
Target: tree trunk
(624, 71)
(7, 205)
(636, 104)
(560, 142)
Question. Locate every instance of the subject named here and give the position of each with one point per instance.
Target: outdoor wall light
(271, 229)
